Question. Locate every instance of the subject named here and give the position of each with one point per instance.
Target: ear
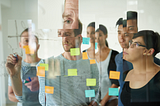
(80, 37)
(150, 52)
(20, 45)
(106, 36)
(38, 46)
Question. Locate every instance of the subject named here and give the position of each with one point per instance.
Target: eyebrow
(66, 15)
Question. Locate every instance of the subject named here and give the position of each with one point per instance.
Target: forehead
(71, 4)
(139, 39)
(132, 22)
(90, 28)
(120, 27)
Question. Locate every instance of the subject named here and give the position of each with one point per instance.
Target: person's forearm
(107, 97)
(12, 97)
(17, 84)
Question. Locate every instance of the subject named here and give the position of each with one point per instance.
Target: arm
(107, 97)
(11, 95)
(14, 68)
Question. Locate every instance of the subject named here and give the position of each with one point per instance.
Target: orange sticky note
(84, 55)
(41, 71)
(28, 50)
(49, 89)
(114, 75)
(92, 61)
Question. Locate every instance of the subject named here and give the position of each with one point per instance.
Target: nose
(122, 38)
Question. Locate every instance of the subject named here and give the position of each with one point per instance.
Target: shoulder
(128, 76)
(114, 52)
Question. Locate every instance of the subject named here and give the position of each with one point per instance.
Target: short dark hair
(131, 15)
(79, 30)
(119, 22)
(26, 30)
(124, 23)
(151, 39)
(92, 24)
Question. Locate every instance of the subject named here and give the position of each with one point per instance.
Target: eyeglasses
(135, 44)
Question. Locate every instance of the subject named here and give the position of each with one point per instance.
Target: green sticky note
(113, 91)
(75, 51)
(90, 82)
(44, 65)
(72, 72)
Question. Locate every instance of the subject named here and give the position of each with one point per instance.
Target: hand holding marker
(25, 81)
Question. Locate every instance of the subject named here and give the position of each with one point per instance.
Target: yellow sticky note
(44, 65)
(41, 71)
(114, 75)
(49, 89)
(28, 50)
(90, 82)
(72, 72)
(92, 61)
(84, 55)
(75, 51)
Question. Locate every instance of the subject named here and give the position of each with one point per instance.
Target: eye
(126, 35)
(131, 28)
(68, 21)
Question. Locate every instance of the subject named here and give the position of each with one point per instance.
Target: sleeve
(95, 74)
(113, 66)
(41, 87)
(9, 81)
(19, 98)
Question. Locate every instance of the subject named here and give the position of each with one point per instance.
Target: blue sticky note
(86, 40)
(96, 45)
(89, 93)
(113, 91)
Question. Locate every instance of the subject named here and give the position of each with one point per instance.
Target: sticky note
(96, 45)
(114, 75)
(92, 61)
(41, 71)
(28, 50)
(49, 89)
(89, 93)
(113, 91)
(72, 72)
(85, 40)
(44, 65)
(84, 55)
(90, 82)
(75, 51)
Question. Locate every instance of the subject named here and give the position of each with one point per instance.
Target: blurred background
(45, 18)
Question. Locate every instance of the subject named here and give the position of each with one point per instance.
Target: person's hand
(33, 85)
(93, 103)
(13, 66)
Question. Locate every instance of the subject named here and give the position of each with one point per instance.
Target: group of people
(139, 68)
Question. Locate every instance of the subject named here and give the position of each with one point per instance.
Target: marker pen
(29, 79)
(15, 56)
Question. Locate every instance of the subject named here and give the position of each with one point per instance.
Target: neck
(68, 56)
(144, 65)
(31, 58)
(102, 49)
(92, 47)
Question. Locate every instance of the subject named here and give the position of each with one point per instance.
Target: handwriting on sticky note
(96, 45)
(72, 72)
(84, 55)
(44, 65)
(28, 50)
(89, 93)
(113, 91)
(114, 75)
(49, 89)
(41, 71)
(92, 61)
(90, 82)
(86, 40)
(75, 51)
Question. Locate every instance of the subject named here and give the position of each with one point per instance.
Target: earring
(148, 54)
(144, 54)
